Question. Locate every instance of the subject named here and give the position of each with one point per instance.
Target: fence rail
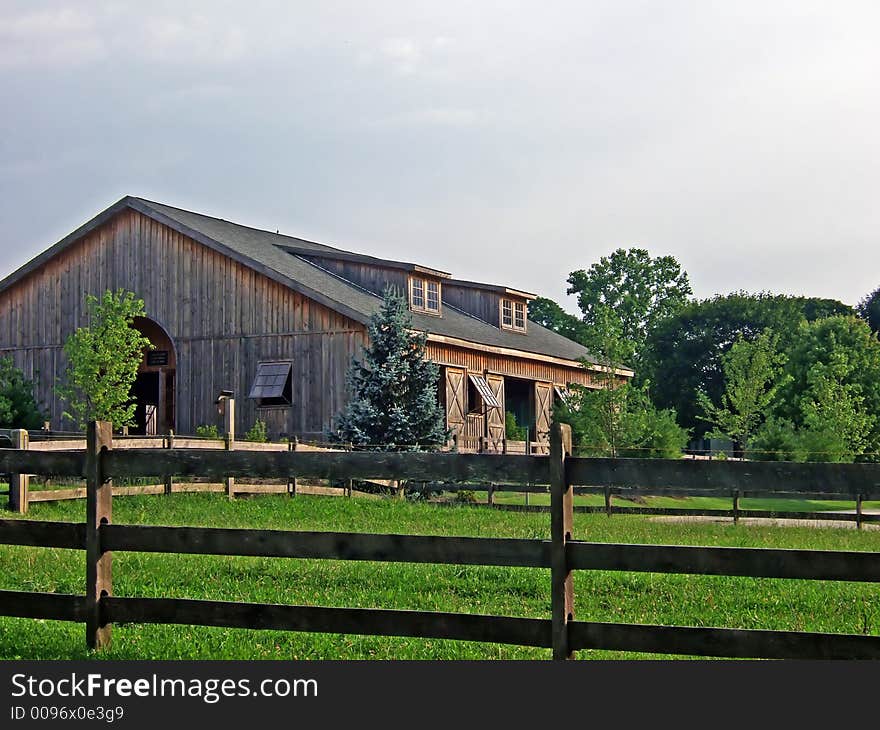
(99, 609)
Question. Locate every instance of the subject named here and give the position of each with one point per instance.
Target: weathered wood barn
(276, 320)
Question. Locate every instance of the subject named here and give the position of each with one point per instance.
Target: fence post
(19, 483)
(169, 480)
(859, 512)
(609, 509)
(490, 495)
(528, 452)
(99, 507)
(735, 506)
(561, 524)
(291, 480)
(229, 431)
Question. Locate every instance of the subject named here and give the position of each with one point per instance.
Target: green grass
(599, 596)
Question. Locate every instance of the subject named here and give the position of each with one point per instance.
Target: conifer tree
(393, 402)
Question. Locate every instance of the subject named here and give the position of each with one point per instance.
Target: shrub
(258, 432)
(512, 430)
(206, 431)
(18, 409)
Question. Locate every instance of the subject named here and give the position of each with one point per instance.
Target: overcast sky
(508, 142)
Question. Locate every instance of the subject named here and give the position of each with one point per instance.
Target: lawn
(599, 596)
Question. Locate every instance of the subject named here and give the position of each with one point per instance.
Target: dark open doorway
(519, 399)
(154, 390)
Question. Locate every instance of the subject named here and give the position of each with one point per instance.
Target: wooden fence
(561, 632)
(21, 495)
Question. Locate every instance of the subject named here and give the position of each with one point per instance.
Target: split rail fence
(99, 609)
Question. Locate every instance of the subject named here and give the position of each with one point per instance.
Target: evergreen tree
(18, 408)
(393, 402)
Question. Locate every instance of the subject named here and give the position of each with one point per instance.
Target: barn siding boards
(205, 301)
(478, 361)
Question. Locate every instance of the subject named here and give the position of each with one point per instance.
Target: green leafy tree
(869, 310)
(103, 360)
(834, 363)
(549, 314)
(393, 403)
(751, 377)
(621, 422)
(18, 407)
(639, 289)
(683, 352)
(618, 418)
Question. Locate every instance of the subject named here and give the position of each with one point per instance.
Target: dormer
(422, 284)
(500, 306)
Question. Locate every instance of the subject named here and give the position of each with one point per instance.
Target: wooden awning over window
(484, 390)
(270, 380)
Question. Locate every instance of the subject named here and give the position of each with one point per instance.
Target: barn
(276, 320)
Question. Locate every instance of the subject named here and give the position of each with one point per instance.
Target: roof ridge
(277, 232)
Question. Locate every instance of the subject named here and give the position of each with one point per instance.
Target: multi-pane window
(424, 295)
(513, 315)
(418, 293)
(519, 315)
(433, 300)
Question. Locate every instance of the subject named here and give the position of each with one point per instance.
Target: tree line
(781, 377)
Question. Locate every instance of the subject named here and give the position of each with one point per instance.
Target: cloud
(50, 37)
(404, 54)
(435, 117)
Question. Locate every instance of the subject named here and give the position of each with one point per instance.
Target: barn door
(456, 392)
(495, 416)
(542, 413)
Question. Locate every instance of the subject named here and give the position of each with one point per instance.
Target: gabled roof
(280, 258)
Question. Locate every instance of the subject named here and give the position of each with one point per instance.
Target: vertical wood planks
(561, 522)
(99, 506)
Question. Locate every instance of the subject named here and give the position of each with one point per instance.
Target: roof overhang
(362, 259)
(524, 354)
(491, 287)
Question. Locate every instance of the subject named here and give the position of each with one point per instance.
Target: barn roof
(280, 258)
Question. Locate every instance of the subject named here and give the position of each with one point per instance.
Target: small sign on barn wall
(157, 357)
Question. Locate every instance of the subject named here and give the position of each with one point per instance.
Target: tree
(549, 314)
(618, 418)
(393, 403)
(620, 423)
(640, 290)
(103, 360)
(751, 380)
(18, 408)
(683, 352)
(834, 374)
(869, 310)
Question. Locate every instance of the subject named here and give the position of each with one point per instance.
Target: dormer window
(424, 295)
(513, 315)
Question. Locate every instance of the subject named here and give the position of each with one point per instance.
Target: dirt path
(768, 521)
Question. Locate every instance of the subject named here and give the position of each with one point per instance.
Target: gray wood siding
(481, 303)
(369, 276)
(222, 316)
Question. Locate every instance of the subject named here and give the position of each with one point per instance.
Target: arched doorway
(154, 388)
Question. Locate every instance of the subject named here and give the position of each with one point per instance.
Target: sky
(508, 142)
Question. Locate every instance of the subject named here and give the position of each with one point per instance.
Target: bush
(207, 432)
(18, 408)
(465, 496)
(512, 430)
(258, 432)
